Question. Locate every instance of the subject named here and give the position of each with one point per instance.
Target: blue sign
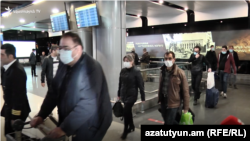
(59, 22)
(86, 16)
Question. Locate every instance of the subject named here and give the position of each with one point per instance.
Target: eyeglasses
(66, 47)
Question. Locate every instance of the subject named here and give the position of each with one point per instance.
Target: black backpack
(118, 109)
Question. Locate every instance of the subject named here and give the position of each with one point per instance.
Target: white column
(109, 40)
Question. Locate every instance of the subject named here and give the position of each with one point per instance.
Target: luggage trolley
(48, 124)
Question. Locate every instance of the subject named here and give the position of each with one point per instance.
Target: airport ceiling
(156, 13)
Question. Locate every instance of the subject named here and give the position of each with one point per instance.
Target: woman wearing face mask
(129, 82)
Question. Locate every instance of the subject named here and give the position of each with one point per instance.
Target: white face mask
(66, 56)
(169, 63)
(127, 64)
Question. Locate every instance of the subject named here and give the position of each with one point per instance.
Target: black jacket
(212, 59)
(136, 58)
(145, 58)
(16, 104)
(47, 69)
(129, 82)
(85, 110)
(32, 59)
(236, 59)
(197, 64)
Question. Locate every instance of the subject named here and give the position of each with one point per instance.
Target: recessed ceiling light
(34, 27)
(160, 1)
(43, 31)
(2, 26)
(221, 21)
(152, 27)
(22, 20)
(185, 25)
(186, 8)
(55, 10)
(37, 1)
(138, 15)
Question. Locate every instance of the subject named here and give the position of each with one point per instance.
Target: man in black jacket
(232, 77)
(136, 57)
(32, 61)
(80, 92)
(144, 63)
(16, 104)
(212, 58)
(50, 66)
(197, 60)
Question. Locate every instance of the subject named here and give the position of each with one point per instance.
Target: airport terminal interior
(109, 30)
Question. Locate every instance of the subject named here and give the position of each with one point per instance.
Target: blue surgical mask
(230, 50)
(195, 53)
(65, 56)
(223, 52)
(212, 49)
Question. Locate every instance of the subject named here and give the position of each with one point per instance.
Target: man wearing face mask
(80, 92)
(197, 60)
(50, 66)
(173, 89)
(225, 61)
(232, 77)
(212, 59)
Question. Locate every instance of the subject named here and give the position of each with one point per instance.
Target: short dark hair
(75, 37)
(224, 47)
(198, 47)
(9, 49)
(170, 52)
(33, 49)
(231, 46)
(212, 46)
(54, 47)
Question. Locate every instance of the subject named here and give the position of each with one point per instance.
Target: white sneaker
(225, 95)
(221, 94)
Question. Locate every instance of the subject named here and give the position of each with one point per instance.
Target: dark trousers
(169, 115)
(128, 116)
(8, 127)
(223, 81)
(33, 70)
(196, 81)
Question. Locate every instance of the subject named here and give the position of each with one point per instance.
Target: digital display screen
(59, 22)
(1, 37)
(23, 49)
(86, 16)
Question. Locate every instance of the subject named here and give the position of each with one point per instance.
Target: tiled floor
(236, 104)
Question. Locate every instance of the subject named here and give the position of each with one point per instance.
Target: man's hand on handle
(36, 121)
(56, 133)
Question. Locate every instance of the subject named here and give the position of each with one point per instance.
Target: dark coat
(198, 63)
(85, 110)
(236, 59)
(16, 104)
(32, 59)
(145, 58)
(47, 69)
(129, 82)
(212, 59)
(136, 58)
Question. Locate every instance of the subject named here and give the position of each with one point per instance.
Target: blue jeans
(169, 115)
(223, 80)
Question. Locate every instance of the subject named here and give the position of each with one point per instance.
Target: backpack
(118, 109)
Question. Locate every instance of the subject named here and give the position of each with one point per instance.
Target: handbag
(118, 109)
